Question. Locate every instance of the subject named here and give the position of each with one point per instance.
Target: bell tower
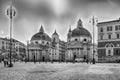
(55, 37)
(69, 34)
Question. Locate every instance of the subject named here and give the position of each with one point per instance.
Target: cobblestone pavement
(60, 71)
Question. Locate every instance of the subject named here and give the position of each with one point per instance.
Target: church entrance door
(43, 58)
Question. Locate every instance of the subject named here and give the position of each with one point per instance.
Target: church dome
(80, 31)
(41, 35)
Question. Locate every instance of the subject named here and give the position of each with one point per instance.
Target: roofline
(7, 39)
(108, 21)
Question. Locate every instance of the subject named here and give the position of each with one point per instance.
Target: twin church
(79, 45)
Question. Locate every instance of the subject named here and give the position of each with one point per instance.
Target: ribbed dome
(41, 35)
(80, 32)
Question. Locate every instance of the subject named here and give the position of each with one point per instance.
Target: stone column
(36, 55)
(40, 55)
(79, 53)
(76, 52)
(70, 54)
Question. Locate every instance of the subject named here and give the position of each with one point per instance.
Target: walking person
(7, 62)
(4, 61)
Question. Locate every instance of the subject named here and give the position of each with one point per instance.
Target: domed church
(79, 44)
(39, 46)
(43, 48)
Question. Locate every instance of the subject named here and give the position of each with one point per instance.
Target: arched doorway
(74, 57)
(109, 49)
(34, 59)
(43, 58)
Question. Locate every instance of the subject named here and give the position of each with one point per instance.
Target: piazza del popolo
(42, 47)
(79, 45)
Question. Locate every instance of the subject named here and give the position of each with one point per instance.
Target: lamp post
(87, 53)
(27, 50)
(0, 57)
(11, 12)
(93, 21)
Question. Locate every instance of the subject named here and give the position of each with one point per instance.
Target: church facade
(79, 44)
(41, 47)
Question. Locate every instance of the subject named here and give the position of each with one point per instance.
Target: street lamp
(93, 21)
(87, 53)
(39, 55)
(11, 12)
(27, 51)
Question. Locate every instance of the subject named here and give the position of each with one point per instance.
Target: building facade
(79, 44)
(60, 46)
(109, 41)
(41, 47)
(18, 48)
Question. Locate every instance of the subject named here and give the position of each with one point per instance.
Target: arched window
(107, 45)
(111, 45)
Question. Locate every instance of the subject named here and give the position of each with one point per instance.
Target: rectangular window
(109, 28)
(116, 27)
(2, 42)
(109, 52)
(3, 47)
(116, 52)
(101, 53)
(118, 36)
(101, 37)
(101, 29)
(119, 27)
(109, 36)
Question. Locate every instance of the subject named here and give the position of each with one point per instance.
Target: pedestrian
(4, 61)
(7, 62)
(0, 60)
(87, 61)
(90, 61)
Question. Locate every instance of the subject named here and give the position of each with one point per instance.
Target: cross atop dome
(41, 29)
(79, 24)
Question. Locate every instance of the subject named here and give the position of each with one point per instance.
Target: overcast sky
(55, 14)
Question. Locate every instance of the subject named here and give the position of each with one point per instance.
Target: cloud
(59, 14)
(116, 2)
